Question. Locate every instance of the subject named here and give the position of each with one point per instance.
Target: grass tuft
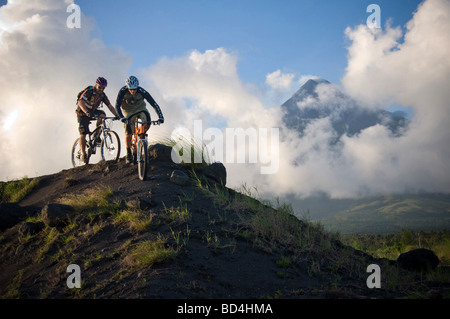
(147, 253)
(15, 191)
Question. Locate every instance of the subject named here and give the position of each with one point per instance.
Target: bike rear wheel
(111, 146)
(76, 155)
(142, 163)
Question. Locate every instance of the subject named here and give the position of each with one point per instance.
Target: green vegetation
(136, 218)
(95, 201)
(14, 191)
(147, 253)
(179, 214)
(379, 214)
(391, 245)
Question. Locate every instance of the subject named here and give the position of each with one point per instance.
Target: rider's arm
(113, 110)
(119, 101)
(150, 100)
(109, 105)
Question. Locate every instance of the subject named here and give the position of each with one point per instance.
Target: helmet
(132, 83)
(102, 81)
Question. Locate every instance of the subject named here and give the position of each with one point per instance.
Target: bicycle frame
(140, 137)
(102, 127)
(109, 142)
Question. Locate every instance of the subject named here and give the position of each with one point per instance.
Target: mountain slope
(318, 99)
(166, 238)
(379, 214)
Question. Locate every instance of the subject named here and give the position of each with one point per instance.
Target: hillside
(185, 237)
(378, 214)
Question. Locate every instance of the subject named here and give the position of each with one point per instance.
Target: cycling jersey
(130, 103)
(92, 100)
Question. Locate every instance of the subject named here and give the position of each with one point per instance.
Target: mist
(44, 64)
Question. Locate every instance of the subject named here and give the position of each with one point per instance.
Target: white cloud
(44, 64)
(380, 68)
(279, 81)
(415, 73)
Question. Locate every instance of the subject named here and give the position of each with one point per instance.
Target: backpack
(90, 88)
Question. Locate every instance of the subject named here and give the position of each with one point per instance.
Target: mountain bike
(139, 143)
(103, 138)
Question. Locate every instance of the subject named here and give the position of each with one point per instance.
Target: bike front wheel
(142, 163)
(111, 146)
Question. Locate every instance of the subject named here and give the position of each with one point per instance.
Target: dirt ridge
(207, 238)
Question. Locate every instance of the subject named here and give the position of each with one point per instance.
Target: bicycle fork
(140, 141)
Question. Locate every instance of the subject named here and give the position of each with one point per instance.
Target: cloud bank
(52, 63)
(43, 65)
(385, 66)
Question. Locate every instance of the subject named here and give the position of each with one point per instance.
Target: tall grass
(14, 191)
(187, 151)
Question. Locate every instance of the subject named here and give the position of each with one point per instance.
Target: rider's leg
(83, 129)
(146, 118)
(128, 139)
(83, 144)
(101, 115)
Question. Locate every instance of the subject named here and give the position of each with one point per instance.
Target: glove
(161, 120)
(124, 120)
(89, 114)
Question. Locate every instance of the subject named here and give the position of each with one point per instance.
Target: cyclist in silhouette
(89, 100)
(131, 99)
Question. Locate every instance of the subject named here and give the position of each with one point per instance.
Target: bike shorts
(144, 116)
(84, 121)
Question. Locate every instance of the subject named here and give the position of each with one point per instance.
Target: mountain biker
(88, 103)
(130, 99)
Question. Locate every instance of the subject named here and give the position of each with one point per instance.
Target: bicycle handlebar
(96, 117)
(127, 120)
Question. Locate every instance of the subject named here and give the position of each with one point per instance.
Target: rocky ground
(180, 235)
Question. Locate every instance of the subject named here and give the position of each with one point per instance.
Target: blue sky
(302, 37)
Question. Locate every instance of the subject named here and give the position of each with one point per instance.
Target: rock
(141, 203)
(179, 177)
(30, 228)
(418, 260)
(71, 182)
(10, 215)
(56, 214)
(216, 171)
(160, 152)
